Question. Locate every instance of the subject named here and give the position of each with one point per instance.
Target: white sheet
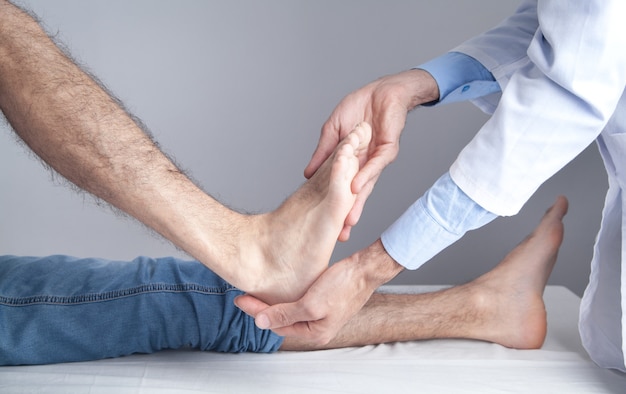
(438, 366)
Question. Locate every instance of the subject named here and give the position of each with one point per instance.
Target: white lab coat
(561, 65)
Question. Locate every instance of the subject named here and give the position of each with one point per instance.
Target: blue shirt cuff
(460, 77)
(435, 221)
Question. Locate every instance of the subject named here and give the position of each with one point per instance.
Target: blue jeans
(61, 309)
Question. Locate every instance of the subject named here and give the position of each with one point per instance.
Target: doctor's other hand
(333, 299)
(384, 104)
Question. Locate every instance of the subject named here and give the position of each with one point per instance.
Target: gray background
(238, 90)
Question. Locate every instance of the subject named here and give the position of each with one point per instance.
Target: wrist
(376, 266)
(419, 87)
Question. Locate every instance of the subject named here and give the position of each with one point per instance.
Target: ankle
(512, 320)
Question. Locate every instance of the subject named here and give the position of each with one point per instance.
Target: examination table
(433, 366)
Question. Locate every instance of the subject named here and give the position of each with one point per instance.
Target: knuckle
(282, 317)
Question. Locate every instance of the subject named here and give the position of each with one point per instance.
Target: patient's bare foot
(508, 300)
(294, 243)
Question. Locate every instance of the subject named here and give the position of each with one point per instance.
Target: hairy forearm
(376, 266)
(84, 134)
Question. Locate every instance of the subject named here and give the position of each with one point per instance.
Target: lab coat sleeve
(516, 33)
(556, 98)
(445, 213)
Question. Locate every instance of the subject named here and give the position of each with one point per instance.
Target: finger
(374, 167)
(302, 330)
(250, 305)
(284, 315)
(319, 332)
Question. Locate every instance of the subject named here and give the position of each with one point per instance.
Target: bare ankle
(507, 317)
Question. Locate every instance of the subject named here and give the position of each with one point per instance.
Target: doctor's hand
(337, 295)
(384, 104)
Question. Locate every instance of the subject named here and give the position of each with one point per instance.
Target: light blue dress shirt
(445, 213)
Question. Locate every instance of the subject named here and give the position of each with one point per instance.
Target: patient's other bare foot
(508, 300)
(294, 243)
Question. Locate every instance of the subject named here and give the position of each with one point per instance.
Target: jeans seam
(114, 294)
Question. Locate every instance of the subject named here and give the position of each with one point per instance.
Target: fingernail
(262, 321)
